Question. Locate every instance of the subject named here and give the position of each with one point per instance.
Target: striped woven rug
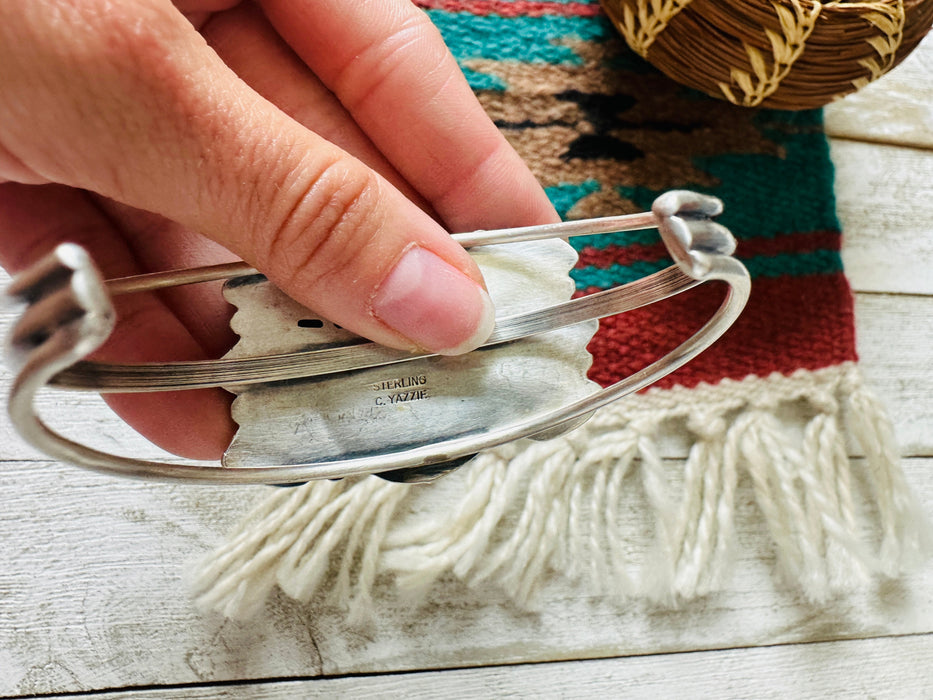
(767, 410)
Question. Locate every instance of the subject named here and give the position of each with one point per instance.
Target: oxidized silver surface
(400, 406)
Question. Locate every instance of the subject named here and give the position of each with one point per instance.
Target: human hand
(161, 136)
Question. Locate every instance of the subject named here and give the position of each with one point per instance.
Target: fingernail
(434, 305)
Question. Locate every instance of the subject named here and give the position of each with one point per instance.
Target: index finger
(390, 68)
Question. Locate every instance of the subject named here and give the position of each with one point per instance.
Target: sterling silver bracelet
(68, 314)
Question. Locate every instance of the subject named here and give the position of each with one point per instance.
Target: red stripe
(789, 324)
(621, 255)
(518, 8)
(790, 243)
(749, 248)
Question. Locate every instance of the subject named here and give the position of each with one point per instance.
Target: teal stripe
(620, 239)
(819, 262)
(483, 81)
(564, 197)
(765, 196)
(526, 39)
(615, 275)
(769, 195)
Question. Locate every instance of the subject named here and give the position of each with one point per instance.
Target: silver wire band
(69, 314)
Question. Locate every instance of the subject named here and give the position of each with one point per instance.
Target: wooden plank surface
(92, 595)
(894, 344)
(893, 667)
(897, 109)
(882, 194)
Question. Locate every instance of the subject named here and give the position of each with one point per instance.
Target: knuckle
(374, 66)
(141, 31)
(328, 219)
(75, 66)
(143, 55)
(111, 76)
(111, 37)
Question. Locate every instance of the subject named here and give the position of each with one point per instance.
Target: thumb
(128, 101)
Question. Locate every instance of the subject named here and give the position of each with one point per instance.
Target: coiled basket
(785, 54)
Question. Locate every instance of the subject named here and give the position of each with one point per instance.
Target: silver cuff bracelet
(372, 423)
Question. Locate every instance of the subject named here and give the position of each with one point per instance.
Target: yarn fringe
(522, 512)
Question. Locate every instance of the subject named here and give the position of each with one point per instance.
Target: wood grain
(896, 354)
(882, 195)
(897, 109)
(894, 667)
(93, 597)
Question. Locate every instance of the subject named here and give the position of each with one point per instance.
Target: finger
(13, 169)
(205, 6)
(131, 103)
(386, 57)
(161, 244)
(33, 220)
(250, 46)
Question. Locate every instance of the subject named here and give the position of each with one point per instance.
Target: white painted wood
(91, 590)
(896, 109)
(895, 344)
(892, 667)
(92, 597)
(882, 196)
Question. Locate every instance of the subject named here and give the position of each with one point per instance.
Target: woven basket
(785, 54)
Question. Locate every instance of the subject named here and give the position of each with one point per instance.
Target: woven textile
(605, 134)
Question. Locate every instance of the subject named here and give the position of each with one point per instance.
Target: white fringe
(529, 509)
